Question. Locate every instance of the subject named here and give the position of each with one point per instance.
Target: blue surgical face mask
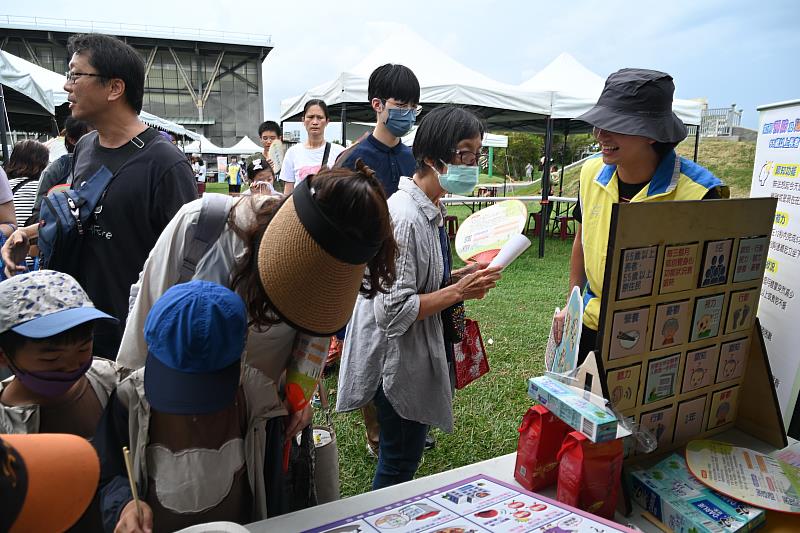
(459, 179)
(399, 124)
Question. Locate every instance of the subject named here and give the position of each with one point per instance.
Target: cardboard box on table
(680, 350)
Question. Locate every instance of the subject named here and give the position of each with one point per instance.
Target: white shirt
(300, 162)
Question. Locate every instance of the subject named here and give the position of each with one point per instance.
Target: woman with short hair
(395, 352)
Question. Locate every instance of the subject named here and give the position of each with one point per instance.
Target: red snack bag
(540, 436)
(589, 474)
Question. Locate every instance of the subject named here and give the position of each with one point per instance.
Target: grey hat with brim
(638, 102)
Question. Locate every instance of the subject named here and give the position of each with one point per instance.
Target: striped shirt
(24, 197)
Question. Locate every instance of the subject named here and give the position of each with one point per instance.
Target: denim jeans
(401, 445)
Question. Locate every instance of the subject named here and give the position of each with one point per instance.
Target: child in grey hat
(46, 326)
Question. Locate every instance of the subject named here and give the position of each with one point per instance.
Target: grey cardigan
(385, 341)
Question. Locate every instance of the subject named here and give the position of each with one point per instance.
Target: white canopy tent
(573, 89)
(203, 146)
(38, 92)
(245, 146)
(442, 80)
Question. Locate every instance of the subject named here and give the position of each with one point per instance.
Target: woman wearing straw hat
(394, 351)
(298, 263)
(637, 132)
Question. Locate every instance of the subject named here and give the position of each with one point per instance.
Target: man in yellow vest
(637, 132)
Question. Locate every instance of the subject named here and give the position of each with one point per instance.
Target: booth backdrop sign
(777, 173)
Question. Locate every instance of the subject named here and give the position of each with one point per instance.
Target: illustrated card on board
(707, 316)
(412, 517)
(723, 407)
(750, 259)
(741, 310)
(689, 420)
(746, 475)
(732, 360)
(483, 234)
(671, 326)
(700, 368)
(565, 355)
(660, 423)
(628, 333)
(662, 378)
(715, 263)
(623, 386)
(638, 268)
(679, 271)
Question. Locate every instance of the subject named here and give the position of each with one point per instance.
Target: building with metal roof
(206, 80)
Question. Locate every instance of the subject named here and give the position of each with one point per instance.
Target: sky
(728, 52)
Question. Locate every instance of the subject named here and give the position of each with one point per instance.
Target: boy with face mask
(393, 93)
(46, 327)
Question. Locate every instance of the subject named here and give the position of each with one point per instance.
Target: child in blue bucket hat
(194, 419)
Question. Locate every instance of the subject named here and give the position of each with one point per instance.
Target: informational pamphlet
(478, 504)
(746, 475)
(483, 234)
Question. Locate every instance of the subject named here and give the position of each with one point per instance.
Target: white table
(501, 468)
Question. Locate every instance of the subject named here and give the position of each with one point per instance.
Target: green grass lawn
(515, 322)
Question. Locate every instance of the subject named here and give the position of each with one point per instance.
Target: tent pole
(344, 123)
(561, 179)
(696, 141)
(3, 126)
(548, 149)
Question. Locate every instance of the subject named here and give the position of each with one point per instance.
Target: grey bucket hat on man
(638, 102)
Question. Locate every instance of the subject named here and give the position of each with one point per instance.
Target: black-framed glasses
(469, 158)
(72, 77)
(404, 110)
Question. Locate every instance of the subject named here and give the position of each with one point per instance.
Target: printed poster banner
(776, 173)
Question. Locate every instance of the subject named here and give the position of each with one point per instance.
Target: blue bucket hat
(195, 335)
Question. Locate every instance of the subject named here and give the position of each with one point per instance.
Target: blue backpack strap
(202, 234)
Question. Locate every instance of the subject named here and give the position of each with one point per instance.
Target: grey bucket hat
(638, 102)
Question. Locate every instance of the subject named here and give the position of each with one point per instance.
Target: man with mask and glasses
(393, 93)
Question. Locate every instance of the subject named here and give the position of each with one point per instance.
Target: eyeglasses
(72, 77)
(469, 158)
(405, 109)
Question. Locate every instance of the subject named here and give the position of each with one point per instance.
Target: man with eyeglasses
(393, 92)
(152, 179)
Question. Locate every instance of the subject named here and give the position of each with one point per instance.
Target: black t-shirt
(628, 190)
(151, 184)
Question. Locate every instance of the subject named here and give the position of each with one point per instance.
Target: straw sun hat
(313, 282)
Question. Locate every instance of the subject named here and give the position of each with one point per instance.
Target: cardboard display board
(679, 349)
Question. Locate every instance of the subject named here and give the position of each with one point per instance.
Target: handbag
(326, 465)
(469, 356)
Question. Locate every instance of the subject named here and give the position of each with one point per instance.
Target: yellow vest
(675, 178)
